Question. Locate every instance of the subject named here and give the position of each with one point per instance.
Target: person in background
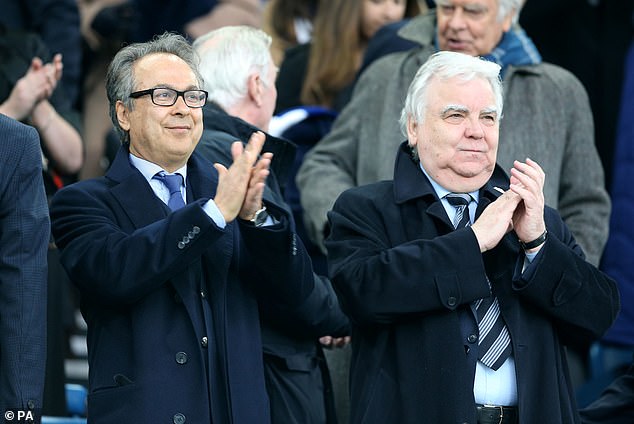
(615, 405)
(24, 236)
(538, 94)
(321, 72)
(239, 75)
(463, 287)
(289, 23)
(31, 92)
(57, 24)
(171, 255)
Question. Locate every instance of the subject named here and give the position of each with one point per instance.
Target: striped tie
(494, 341)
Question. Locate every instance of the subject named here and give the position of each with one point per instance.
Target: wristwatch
(260, 217)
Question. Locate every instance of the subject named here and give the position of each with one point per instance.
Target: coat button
(472, 338)
(30, 404)
(181, 245)
(179, 419)
(203, 294)
(204, 341)
(451, 301)
(191, 235)
(195, 229)
(186, 239)
(181, 358)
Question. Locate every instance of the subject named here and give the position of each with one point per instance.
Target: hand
(234, 183)
(253, 199)
(496, 220)
(331, 342)
(527, 181)
(36, 85)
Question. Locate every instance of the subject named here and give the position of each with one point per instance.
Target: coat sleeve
(582, 300)
(583, 202)
(24, 238)
(330, 167)
(117, 264)
(382, 282)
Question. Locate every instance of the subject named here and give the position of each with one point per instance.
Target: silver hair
(120, 79)
(445, 65)
(508, 6)
(228, 56)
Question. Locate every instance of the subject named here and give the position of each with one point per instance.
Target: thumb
(222, 170)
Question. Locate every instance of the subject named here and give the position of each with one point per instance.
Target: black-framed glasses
(163, 96)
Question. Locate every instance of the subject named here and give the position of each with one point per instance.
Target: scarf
(515, 48)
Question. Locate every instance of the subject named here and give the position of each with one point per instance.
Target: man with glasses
(166, 250)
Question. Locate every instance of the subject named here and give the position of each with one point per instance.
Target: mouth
(455, 44)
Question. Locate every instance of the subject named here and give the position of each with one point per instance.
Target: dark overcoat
(407, 281)
(170, 299)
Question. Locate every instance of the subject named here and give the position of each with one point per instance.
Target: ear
(507, 23)
(412, 126)
(123, 115)
(255, 89)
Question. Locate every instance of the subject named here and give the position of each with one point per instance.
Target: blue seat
(76, 396)
(63, 420)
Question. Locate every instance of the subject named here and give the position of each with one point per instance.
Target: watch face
(260, 217)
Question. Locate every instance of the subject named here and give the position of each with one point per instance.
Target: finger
(222, 170)
(236, 150)
(531, 169)
(256, 142)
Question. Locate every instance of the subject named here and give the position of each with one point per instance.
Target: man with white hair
(462, 286)
(547, 118)
(239, 74)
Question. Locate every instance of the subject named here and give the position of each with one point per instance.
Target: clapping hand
(240, 187)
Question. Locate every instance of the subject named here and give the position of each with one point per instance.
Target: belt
(492, 414)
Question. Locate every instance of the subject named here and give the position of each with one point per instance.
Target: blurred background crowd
(54, 55)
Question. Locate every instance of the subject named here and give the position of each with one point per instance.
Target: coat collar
(411, 183)
(136, 196)
(216, 119)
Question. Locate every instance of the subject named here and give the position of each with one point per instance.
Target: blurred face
(458, 137)
(470, 26)
(164, 135)
(377, 13)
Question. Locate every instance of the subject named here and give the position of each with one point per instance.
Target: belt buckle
(501, 411)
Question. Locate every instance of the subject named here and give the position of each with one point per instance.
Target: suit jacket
(296, 374)
(407, 281)
(24, 236)
(170, 299)
(616, 403)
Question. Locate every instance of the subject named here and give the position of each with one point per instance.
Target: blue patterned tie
(173, 184)
(494, 340)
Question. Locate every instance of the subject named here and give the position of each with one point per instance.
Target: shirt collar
(149, 169)
(441, 192)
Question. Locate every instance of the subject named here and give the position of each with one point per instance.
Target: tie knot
(172, 182)
(458, 199)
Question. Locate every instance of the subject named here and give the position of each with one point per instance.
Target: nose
(180, 106)
(474, 129)
(457, 20)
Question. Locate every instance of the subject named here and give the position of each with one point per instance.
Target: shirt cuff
(214, 213)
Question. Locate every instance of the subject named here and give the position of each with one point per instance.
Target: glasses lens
(195, 98)
(164, 96)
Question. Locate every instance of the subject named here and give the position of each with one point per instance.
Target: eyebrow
(464, 109)
(455, 108)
